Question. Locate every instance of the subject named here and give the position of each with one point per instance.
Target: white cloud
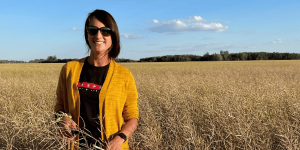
(190, 24)
(277, 41)
(75, 29)
(130, 36)
(194, 19)
(155, 21)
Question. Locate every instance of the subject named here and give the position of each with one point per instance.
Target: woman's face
(99, 43)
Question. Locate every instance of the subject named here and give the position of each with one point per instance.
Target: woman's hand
(127, 129)
(66, 124)
(115, 143)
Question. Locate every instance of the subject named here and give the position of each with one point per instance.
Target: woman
(98, 93)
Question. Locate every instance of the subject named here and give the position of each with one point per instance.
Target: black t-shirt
(89, 86)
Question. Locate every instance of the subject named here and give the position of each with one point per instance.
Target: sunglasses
(92, 30)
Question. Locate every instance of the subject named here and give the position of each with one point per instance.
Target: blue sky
(37, 29)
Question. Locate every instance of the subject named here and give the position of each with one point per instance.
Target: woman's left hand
(127, 129)
(115, 143)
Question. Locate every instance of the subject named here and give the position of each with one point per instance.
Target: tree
(218, 57)
(244, 56)
(51, 58)
(225, 55)
(206, 56)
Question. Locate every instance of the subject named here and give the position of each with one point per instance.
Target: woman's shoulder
(74, 63)
(120, 67)
(122, 70)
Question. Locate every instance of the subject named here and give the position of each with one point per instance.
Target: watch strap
(123, 136)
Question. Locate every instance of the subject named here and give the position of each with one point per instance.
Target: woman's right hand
(66, 124)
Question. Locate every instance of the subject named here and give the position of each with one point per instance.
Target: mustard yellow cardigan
(117, 99)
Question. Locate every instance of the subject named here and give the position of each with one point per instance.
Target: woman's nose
(99, 34)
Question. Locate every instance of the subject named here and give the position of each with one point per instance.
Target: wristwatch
(123, 136)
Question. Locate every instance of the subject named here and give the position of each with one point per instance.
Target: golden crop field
(183, 105)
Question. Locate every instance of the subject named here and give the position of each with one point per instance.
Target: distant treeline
(223, 56)
(53, 59)
(12, 61)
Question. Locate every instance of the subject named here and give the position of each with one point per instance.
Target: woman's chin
(98, 52)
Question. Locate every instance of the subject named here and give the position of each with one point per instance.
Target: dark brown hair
(107, 19)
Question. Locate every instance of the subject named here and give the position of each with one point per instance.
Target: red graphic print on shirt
(87, 85)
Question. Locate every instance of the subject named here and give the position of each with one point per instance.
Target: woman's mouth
(98, 42)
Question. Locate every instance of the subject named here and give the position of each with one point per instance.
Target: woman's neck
(99, 61)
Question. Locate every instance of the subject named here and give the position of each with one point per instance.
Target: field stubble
(183, 105)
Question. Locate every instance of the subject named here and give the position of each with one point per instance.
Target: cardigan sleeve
(61, 91)
(131, 108)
